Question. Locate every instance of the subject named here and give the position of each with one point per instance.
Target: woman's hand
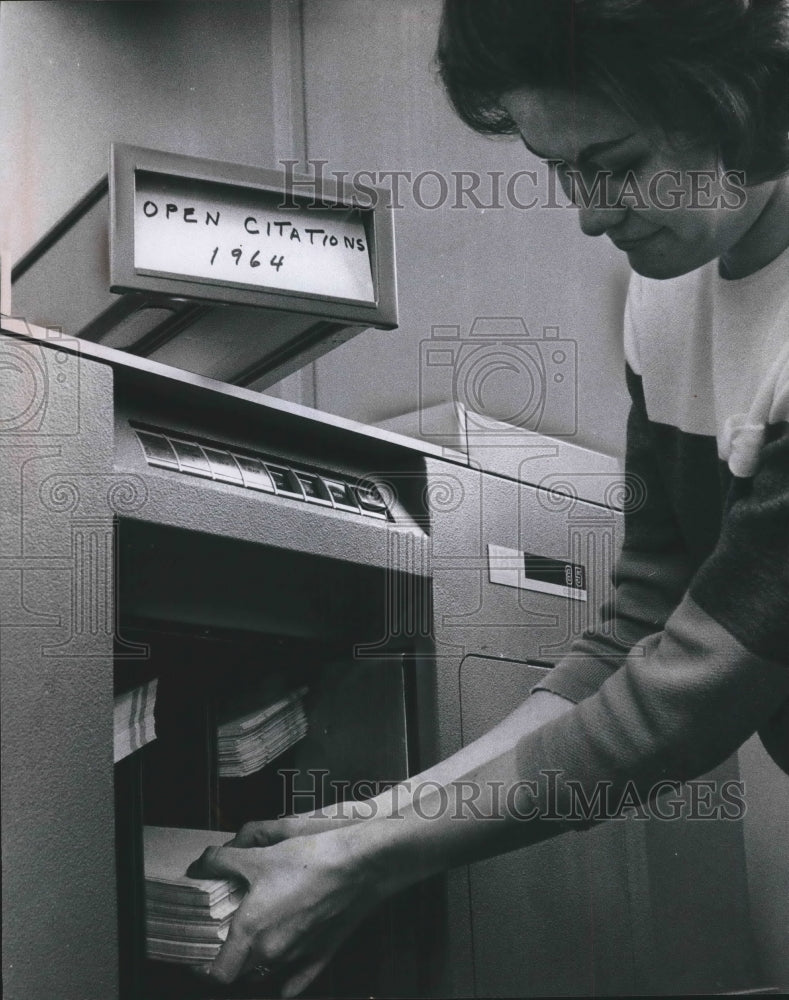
(264, 833)
(305, 896)
(309, 888)
(267, 832)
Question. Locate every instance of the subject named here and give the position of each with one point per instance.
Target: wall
(373, 103)
(190, 78)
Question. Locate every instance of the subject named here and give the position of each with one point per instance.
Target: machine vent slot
(176, 453)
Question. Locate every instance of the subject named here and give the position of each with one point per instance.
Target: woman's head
(696, 87)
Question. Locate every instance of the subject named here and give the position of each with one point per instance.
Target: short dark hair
(714, 69)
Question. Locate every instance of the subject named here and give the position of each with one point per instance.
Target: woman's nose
(597, 201)
(596, 219)
(595, 197)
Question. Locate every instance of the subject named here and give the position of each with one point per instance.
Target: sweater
(701, 599)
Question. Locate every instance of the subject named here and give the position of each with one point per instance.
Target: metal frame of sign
(127, 160)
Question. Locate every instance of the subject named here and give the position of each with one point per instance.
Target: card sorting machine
(237, 273)
(158, 523)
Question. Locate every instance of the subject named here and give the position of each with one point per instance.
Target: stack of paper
(133, 719)
(187, 919)
(247, 743)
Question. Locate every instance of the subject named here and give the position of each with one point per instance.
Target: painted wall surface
(186, 77)
(374, 103)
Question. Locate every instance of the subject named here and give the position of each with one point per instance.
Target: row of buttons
(212, 462)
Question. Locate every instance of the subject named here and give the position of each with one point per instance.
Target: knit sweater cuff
(575, 677)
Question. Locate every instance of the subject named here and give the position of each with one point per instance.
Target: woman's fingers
(234, 955)
(260, 834)
(226, 862)
(303, 900)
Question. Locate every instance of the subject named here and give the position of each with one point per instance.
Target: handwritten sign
(242, 236)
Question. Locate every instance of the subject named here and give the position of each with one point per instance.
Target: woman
(669, 125)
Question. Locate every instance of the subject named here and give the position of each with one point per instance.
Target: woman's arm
(685, 698)
(652, 574)
(535, 711)
(306, 894)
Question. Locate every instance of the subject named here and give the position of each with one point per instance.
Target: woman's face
(667, 205)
